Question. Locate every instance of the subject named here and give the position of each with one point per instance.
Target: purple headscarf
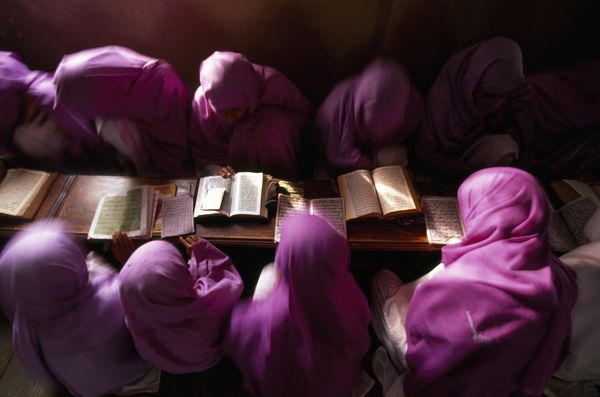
(472, 85)
(378, 107)
(82, 150)
(174, 312)
(497, 319)
(115, 82)
(308, 336)
(229, 80)
(68, 325)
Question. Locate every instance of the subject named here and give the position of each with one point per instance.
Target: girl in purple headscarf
(139, 105)
(246, 116)
(308, 335)
(495, 319)
(176, 311)
(67, 321)
(37, 134)
(482, 111)
(365, 118)
(479, 110)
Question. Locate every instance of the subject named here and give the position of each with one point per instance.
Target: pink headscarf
(471, 85)
(308, 336)
(68, 324)
(378, 107)
(175, 311)
(114, 81)
(496, 321)
(229, 80)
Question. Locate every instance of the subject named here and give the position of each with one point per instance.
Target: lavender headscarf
(83, 151)
(68, 325)
(307, 337)
(174, 312)
(114, 82)
(229, 80)
(376, 108)
(497, 319)
(471, 85)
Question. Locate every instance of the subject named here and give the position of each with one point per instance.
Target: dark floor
(223, 379)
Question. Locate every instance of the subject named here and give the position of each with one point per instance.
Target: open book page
(584, 190)
(213, 182)
(332, 210)
(161, 192)
(393, 189)
(576, 214)
(247, 194)
(178, 216)
(19, 188)
(286, 207)
(358, 191)
(442, 219)
(130, 213)
(561, 239)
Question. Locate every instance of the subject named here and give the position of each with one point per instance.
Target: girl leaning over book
(246, 116)
(494, 319)
(68, 325)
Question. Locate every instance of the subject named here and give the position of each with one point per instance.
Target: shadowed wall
(315, 43)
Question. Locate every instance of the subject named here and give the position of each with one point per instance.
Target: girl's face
(233, 115)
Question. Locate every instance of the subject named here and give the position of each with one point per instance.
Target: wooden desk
(79, 205)
(362, 235)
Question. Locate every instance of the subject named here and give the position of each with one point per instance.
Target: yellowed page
(393, 189)
(358, 191)
(442, 219)
(18, 189)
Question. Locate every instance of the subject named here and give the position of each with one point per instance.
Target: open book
(330, 209)
(132, 213)
(22, 191)
(442, 219)
(566, 227)
(382, 193)
(569, 227)
(243, 195)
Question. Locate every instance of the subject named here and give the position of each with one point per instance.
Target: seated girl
(175, 310)
(67, 319)
(482, 111)
(35, 133)
(246, 116)
(138, 105)
(308, 334)
(365, 120)
(479, 111)
(494, 318)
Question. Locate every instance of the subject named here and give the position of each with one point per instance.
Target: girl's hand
(189, 242)
(226, 172)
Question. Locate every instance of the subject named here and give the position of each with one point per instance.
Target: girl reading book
(67, 318)
(365, 120)
(247, 116)
(306, 334)
(494, 318)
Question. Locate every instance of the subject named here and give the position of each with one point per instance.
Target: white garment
(488, 150)
(266, 282)
(583, 361)
(392, 383)
(591, 231)
(40, 141)
(390, 302)
(124, 135)
(392, 155)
